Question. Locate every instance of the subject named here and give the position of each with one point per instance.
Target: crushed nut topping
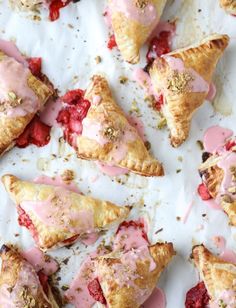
(179, 82)
(111, 133)
(123, 79)
(28, 299)
(12, 102)
(68, 176)
(141, 4)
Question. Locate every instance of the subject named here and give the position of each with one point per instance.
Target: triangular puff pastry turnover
(229, 6)
(128, 278)
(133, 21)
(183, 78)
(108, 137)
(22, 95)
(56, 216)
(19, 283)
(218, 276)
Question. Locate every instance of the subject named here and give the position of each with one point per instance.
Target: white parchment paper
(68, 48)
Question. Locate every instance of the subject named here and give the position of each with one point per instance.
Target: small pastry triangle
(218, 276)
(229, 6)
(133, 21)
(183, 78)
(128, 278)
(109, 138)
(56, 216)
(22, 96)
(19, 283)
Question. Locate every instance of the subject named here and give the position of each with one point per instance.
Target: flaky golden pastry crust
(14, 268)
(218, 275)
(103, 213)
(179, 108)
(130, 34)
(12, 127)
(229, 6)
(137, 159)
(131, 295)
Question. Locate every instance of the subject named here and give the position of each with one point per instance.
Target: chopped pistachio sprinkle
(141, 4)
(179, 82)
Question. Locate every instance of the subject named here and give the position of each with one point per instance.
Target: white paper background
(68, 52)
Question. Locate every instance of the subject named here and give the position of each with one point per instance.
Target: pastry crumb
(98, 59)
(68, 176)
(123, 79)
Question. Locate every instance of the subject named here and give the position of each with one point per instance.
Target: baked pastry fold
(133, 21)
(19, 283)
(56, 216)
(128, 278)
(183, 78)
(229, 6)
(218, 276)
(22, 95)
(108, 137)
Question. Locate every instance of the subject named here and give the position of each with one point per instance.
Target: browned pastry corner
(180, 104)
(109, 115)
(118, 294)
(229, 6)
(218, 275)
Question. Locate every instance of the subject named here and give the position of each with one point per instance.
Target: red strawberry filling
(54, 8)
(95, 291)
(71, 240)
(36, 133)
(43, 281)
(72, 115)
(197, 297)
(159, 102)
(25, 221)
(112, 42)
(229, 145)
(204, 192)
(134, 224)
(35, 66)
(159, 46)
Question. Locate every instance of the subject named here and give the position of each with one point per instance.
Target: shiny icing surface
(56, 181)
(111, 170)
(156, 300)
(146, 15)
(215, 137)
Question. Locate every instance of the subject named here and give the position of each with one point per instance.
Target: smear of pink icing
(144, 80)
(215, 137)
(212, 92)
(10, 49)
(56, 181)
(50, 112)
(156, 300)
(137, 123)
(226, 254)
(111, 170)
(37, 259)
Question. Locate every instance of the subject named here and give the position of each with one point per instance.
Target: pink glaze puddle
(156, 300)
(10, 49)
(212, 92)
(215, 137)
(40, 262)
(188, 211)
(111, 170)
(138, 125)
(226, 254)
(212, 204)
(89, 238)
(50, 113)
(144, 80)
(56, 181)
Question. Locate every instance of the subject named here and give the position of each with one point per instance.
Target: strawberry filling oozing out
(112, 42)
(229, 145)
(43, 281)
(71, 240)
(72, 115)
(204, 192)
(95, 291)
(35, 66)
(134, 224)
(55, 7)
(25, 221)
(197, 297)
(159, 103)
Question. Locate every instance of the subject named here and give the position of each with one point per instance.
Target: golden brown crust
(218, 275)
(130, 34)
(229, 6)
(103, 213)
(133, 294)
(13, 267)
(12, 127)
(180, 107)
(137, 159)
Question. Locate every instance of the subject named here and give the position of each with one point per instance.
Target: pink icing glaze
(111, 170)
(212, 204)
(188, 211)
(156, 300)
(90, 238)
(137, 123)
(163, 26)
(212, 92)
(96, 100)
(215, 137)
(56, 181)
(226, 254)
(10, 49)
(146, 16)
(144, 80)
(198, 84)
(107, 17)
(10, 70)
(40, 262)
(227, 297)
(50, 112)
(92, 130)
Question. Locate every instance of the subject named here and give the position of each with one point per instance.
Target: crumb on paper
(134, 107)
(68, 176)
(98, 59)
(123, 79)
(43, 164)
(162, 123)
(200, 145)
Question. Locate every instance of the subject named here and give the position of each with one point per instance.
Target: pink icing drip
(10, 49)
(212, 92)
(10, 70)
(144, 80)
(226, 254)
(50, 113)
(90, 238)
(96, 100)
(198, 84)
(146, 16)
(211, 203)
(215, 137)
(111, 170)
(156, 300)
(56, 181)
(92, 130)
(37, 259)
(138, 125)
(188, 211)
